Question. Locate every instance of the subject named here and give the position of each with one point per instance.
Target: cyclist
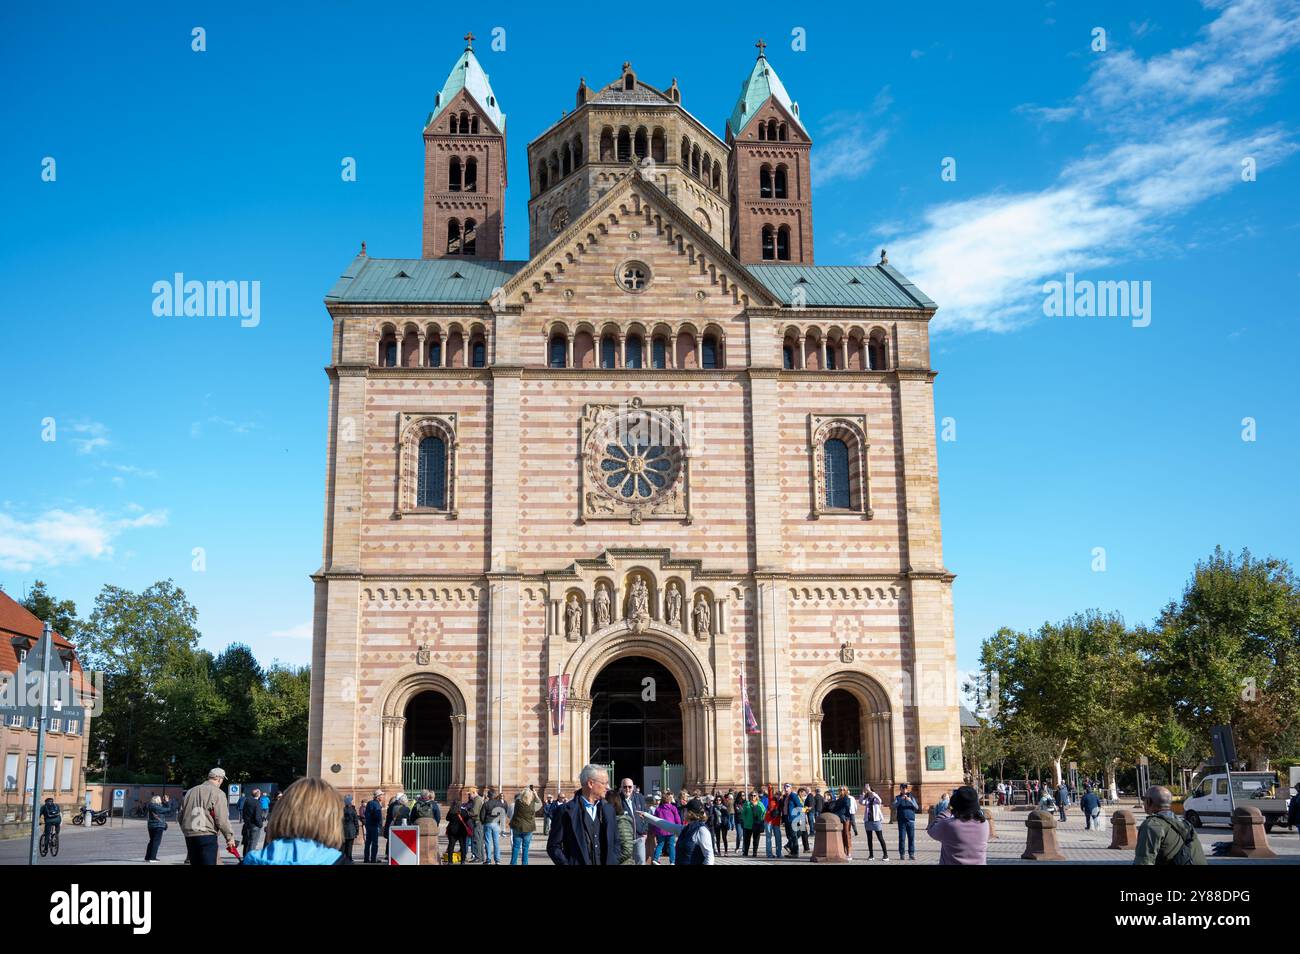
(52, 816)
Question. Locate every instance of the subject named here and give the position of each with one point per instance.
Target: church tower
(771, 186)
(465, 166)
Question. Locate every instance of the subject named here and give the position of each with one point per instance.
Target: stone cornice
(916, 374)
(399, 309)
(696, 566)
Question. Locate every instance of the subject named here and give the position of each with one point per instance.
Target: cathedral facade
(663, 496)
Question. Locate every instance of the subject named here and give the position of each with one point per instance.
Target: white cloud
(301, 631)
(96, 436)
(235, 427)
(849, 147)
(985, 259)
(58, 537)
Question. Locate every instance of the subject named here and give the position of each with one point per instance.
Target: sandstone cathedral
(663, 496)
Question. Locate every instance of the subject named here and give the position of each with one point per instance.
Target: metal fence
(844, 768)
(432, 772)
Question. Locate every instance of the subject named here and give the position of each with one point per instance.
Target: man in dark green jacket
(1164, 838)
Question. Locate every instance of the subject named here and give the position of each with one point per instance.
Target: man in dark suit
(585, 831)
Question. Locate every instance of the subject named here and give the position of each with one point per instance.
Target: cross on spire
(761, 47)
(469, 41)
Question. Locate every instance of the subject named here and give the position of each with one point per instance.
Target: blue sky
(1071, 433)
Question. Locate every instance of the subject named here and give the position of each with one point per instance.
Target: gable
(464, 102)
(772, 109)
(605, 232)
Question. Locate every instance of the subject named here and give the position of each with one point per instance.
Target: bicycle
(50, 843)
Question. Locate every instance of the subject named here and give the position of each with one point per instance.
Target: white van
(1208, 804)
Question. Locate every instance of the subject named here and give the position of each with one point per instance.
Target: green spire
(761, 83)
(468, 75)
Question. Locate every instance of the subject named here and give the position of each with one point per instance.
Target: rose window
(637, 471)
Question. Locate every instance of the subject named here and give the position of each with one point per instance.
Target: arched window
(390, 354)
(686, 153)
(559, 351)
(629, 82)
(608, 351)
(606, 145)
(577, 152)
(695, 161)
(566, 160)
(474, 124)
(832, 353)
(478, 354)
(877, 355)
(634, 351)
(453, 174)
(765, 182)
(783, 243)
(471, 175)
(769, 243)
(435, 353)
(658, 147)
(836, 466)
(706, 168)
(642, 143)
(453, 237)
(659, 354)
(431, 482)
(709, 352)
(762, 131)
(779, 184)
(787, 357)
(717, 177)
(541, 176)
(454, 126)
(771, 129)
(781, 133)
(464, 123)
(467, 247)
(624, 145)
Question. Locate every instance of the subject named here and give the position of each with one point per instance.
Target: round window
(633, 276)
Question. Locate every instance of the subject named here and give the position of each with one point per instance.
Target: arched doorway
(842, 755)
(636, 723)
(427, 744)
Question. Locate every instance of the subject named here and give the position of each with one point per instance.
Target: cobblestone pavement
(125, 844)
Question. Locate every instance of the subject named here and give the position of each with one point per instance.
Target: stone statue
(702, 618)
(573, 618)
(674, 599)
(602, 607)
(640, 607)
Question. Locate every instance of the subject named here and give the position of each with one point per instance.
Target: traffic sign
(403, 845)
(119, 797)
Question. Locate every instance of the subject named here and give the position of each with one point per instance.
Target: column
(815, 755)
(569, 360)
(620, 360)
(801, 359)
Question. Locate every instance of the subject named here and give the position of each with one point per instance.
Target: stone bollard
(828, 843)
(428, 841)
(1123, 830)
(1249, 840)
(1040, 845)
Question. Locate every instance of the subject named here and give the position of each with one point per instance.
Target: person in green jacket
(1164, 838)
(752, 813)
(626, 829)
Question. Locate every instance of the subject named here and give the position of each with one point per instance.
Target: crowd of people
(310, 822)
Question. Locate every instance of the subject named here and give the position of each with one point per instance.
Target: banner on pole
(558, 689)
(404, 845)
(751, 724)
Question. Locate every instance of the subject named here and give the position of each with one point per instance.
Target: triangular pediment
(634, 199)
(463, 101)
(773, 109)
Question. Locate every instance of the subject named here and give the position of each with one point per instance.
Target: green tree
(138, 641)
(280, 708)
(60, 614)
(1228, 652)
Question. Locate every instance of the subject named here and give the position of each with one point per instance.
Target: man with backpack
(1164, 838)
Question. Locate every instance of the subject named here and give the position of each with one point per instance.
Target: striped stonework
(743, 574)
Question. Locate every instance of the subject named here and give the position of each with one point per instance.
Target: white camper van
(1208, 803)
